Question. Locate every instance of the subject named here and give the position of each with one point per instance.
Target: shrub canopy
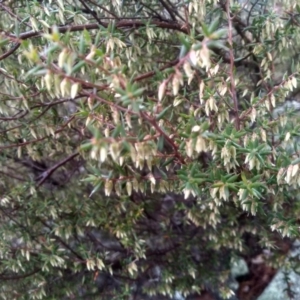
(140, 145)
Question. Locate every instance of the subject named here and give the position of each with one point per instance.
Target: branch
(18, 277)
(9, 11)
(11, 51)
(169, 140)
(168, 9)
(79, 257)
(46, 174)
(152, 73)
(93, 13)
(120, 24)
(231, 55)
(36, 140)
(14, 117)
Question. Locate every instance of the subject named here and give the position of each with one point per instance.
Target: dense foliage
(141, 149)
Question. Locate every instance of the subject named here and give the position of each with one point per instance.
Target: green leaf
(214, 25)
(205, 30)
(163, 113)
(95, 189)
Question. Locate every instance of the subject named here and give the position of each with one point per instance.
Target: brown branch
(104, 9)
(231, 55)
(79, 257)
(168, 9)
(12, 176)
(162, 133)
(93, 13)
(110, 103)
(15, 118)
(36, 140)
(10, 52)
(51, 170)
(152, 73)
(120, 24)
(8, 10)
(264, 98)
(17, 277)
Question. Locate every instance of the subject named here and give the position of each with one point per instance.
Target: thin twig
(36, 140)
(231, 57)
(152, 121)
